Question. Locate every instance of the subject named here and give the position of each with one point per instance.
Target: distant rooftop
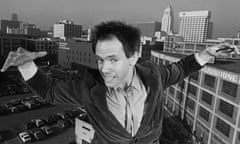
(232, 65)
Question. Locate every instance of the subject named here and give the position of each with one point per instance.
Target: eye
(113, 60)
(99, 61)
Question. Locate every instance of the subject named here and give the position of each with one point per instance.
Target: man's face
(114, 66)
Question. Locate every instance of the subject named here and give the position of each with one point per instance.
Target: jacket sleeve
(64, 92)
(177, 71)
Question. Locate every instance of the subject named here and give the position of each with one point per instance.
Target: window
(206, 97)
(192, 89)
(229, 88)
(226, 108)
(204, 114)
(179, 96)
(223, 127)
(190, 103)
(209, 80)
(194, 76)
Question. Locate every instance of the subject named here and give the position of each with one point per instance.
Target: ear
(134, 58)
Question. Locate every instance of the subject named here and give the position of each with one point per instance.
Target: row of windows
(224, 107)
(80, 53)
(227, 87)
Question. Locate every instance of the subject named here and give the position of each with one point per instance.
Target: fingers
(20, 57)
(21, 50)
(39, 54)
(9, 61)
(225, 48)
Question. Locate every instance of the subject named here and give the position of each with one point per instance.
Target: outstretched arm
(23, 59)
(177, 71)
(54, 91)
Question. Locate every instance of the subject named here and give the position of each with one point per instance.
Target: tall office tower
(66, 28)
(14, 17)
(167, 20)
(194, 25)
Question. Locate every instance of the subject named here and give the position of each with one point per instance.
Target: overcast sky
(44, 13)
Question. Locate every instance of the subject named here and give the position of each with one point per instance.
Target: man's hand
(21, 57)
(223, 49)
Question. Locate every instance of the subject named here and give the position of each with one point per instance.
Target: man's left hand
(223, 49)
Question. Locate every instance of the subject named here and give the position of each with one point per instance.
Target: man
(123, 99)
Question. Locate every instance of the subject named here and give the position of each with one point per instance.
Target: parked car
(25, 137)
(37, 133)
(48, 120)
(30, 104)
(55, 117)
(28, 125)
(47, 129)
(63, 123)
(38, 122)
(13, 109)
(22, 107)
(63, 115)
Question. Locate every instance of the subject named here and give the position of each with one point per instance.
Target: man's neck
(128, 80)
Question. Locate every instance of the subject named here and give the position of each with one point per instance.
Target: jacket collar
(150, 81)
(98, 90)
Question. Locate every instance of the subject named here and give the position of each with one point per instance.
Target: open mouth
(108, 78)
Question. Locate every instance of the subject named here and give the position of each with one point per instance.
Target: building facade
(208, 101)
(66, 28)
(9, 24)
(76, 52)
(194, 25)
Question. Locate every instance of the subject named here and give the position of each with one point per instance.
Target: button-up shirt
(128, 106)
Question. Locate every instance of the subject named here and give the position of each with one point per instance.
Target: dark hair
(128, 35)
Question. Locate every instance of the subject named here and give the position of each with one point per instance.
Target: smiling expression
(115, 68)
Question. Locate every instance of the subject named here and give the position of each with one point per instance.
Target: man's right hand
(21, 57)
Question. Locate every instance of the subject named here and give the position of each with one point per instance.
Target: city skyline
(224, 14)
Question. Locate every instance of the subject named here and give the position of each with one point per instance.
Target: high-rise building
(167, 20)
(66, 28)
(194, 25)
(14, 17)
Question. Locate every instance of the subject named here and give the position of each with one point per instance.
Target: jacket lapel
(151, 83)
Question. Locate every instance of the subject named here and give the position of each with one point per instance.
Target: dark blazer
(90, 92)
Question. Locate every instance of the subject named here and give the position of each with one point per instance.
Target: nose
(104, 67)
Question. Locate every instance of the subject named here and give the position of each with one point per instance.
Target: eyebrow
(108, 57)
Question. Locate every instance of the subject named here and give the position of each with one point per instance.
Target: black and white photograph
(119, 72)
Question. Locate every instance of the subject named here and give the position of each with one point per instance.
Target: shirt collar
(135, 84)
